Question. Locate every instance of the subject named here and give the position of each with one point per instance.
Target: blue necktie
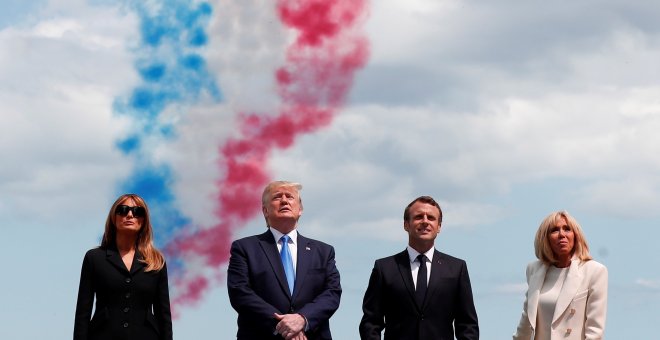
(287, 261)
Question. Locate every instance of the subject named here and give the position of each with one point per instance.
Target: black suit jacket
(124, 300)
(389, 302)
(258, 288)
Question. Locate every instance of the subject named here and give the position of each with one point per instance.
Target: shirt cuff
(306, 328)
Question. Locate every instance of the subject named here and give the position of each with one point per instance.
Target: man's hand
(291, 326)
(300, 336)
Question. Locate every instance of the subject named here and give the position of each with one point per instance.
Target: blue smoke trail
(173, 73)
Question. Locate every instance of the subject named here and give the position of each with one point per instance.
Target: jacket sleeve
(466, 323)
(594, 324)
(524, 330)
(162, 309)
(241, 295)
(373, 318)
(85, 300)
(326, 302)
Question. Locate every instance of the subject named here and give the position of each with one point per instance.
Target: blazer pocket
(99, 319)
(581, 295)
(151, 320)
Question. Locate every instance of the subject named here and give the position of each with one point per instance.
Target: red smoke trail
(312, 85)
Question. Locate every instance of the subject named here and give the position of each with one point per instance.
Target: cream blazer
(581, 306)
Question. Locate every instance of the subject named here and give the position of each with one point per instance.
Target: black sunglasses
(122, 210)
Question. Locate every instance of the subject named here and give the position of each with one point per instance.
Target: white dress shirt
(293, 244)
(414, 264)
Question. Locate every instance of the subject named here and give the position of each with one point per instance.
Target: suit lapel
(112, 255)
(267, 243)
(534, 289)
(437, 271)
(569, 289)
(403, 263)
(304, 246)
(137, 265)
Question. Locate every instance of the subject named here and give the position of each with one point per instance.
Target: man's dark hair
(423, 199)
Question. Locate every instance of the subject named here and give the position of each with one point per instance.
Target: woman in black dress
(128, 277)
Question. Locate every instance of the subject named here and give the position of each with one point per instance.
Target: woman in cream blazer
(567, 290)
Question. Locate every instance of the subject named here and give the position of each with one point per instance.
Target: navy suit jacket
(389, 302)
(258, 288)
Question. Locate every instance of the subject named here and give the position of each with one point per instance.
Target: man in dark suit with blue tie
(420, 293)
(282, 284)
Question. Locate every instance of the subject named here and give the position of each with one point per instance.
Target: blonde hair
(542, 247)
(278, 184)
(151, 256)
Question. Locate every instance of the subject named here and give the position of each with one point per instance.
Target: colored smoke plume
(313, 84)
(173, 74)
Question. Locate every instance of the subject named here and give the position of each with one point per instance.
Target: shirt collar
(293, 235)
(412, 254)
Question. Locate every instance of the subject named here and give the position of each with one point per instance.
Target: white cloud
(195, 159)
(628, 197)
(244, 55)
(653, 284)
(399, 33)
(586, 113)
(511, 288)
(57, 129)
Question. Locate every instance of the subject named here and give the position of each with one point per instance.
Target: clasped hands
(291, 326)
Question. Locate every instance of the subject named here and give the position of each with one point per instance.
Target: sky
(502, 111)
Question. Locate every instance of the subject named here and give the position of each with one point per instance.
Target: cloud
(636, 196)
(511, 288)
(652, 284)
(453, 53)
(60, 75)
(457, 119)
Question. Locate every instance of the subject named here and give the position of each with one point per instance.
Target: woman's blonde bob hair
(542, 247)
(149, 254)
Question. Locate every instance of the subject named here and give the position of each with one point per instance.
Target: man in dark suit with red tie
(282, 284)
(420, 293)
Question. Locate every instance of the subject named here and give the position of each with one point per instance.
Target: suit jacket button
(126, 310)
(128, 280)
(568, 331)
(125, 324)
(572, 311)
